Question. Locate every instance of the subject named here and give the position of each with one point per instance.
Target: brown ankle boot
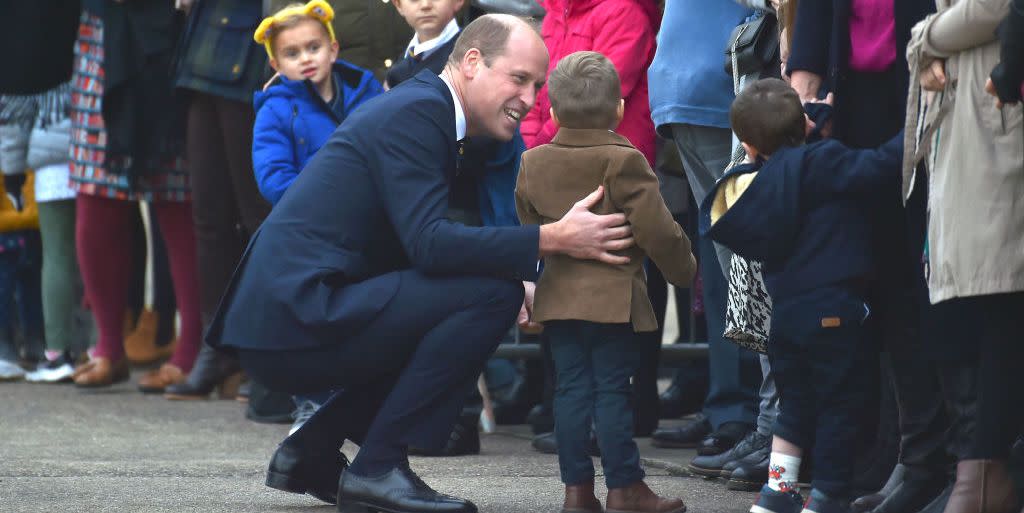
(982, 486)
(140, 343)
(581, 499)
(638, 498)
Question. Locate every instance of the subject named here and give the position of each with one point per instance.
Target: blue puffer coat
(293, 122)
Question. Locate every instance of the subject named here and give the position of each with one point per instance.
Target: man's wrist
(549, 240)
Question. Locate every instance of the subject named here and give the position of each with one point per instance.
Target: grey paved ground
(62, 449)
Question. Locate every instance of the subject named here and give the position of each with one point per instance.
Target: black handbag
(753, 45)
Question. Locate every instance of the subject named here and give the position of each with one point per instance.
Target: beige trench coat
(976, 184)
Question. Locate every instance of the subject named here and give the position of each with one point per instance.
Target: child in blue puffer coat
(313, 93)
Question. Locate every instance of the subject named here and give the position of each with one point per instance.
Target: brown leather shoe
(638, 498)
(100, 372)
(581, 499)
(140, 344)
(155, 382)
(982, 486)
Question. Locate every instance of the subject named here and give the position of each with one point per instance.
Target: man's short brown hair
(489, 34)
(768, 115)
(585, 92)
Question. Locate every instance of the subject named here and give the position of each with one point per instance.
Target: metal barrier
(672, 353)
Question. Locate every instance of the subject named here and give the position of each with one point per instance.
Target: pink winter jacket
(622, 30)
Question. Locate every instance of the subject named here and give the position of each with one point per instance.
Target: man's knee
(503, 295)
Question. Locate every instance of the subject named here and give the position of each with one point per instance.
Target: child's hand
(525, 324)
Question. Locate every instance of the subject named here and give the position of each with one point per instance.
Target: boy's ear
(751, 151)
(620, 111)
(554, 117)
(458, 5)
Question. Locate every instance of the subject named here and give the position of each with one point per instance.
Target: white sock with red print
(783, 471)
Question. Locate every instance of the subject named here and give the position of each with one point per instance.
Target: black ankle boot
(212, 370)
(920, 486)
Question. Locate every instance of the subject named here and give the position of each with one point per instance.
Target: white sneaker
(10, 371)
(54, 371)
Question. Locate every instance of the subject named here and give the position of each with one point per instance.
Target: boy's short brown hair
(768, 115)
(585, 92)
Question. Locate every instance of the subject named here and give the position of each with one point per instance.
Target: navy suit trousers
(403, 378)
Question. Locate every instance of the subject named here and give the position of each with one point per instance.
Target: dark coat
(143, 118)
(218, 55)
(804, 213)
(39, 37)
(410, 66)
(821, 39)
(372, 201)
(293, 122)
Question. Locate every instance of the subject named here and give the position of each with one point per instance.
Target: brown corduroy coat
(553, 177)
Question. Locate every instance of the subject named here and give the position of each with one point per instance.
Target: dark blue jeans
(822, 362)
(593, 364)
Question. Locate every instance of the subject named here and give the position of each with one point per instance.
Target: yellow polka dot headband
(319, 10)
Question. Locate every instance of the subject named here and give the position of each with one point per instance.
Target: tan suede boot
(982, 486)
(638, 498)
(581, 499)
(140, 344)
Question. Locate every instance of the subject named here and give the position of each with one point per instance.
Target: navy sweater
(804, 214)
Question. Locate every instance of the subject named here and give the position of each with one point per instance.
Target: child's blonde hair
(290, 16)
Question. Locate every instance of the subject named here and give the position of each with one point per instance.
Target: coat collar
(589, 137)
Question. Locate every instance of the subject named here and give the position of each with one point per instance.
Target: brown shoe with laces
(638, 498)
(100, 372)
(155, 382)
(581, 499)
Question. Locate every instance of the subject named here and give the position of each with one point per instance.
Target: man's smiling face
(499, 94)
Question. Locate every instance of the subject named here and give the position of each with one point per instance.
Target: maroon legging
(103, 234)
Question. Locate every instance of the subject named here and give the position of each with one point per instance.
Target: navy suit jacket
(371, 202)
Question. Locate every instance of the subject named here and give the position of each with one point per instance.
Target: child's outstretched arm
(830, 168)
(634, 190)
(273, 154)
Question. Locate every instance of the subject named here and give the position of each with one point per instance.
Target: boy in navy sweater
(800, 209)
(314, 92)
(436, 31)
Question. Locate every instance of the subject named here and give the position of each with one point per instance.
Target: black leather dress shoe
(724, 438)
(686, 437)
(753, 458)
(713, 466)
(292, 471)
(749, 478)
(398, 491)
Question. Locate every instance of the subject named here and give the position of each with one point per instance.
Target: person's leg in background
(151, 330)
(226, 208)
(30, 301)
(100, 224)
(61, 290)
(9, 368)
(732, 396)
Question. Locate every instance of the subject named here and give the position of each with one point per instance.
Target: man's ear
(470, 63)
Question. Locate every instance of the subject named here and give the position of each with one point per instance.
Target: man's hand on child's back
(587, 236)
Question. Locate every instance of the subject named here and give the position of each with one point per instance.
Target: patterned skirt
(92, 171)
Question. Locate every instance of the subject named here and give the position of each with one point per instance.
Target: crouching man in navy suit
(357, 281)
